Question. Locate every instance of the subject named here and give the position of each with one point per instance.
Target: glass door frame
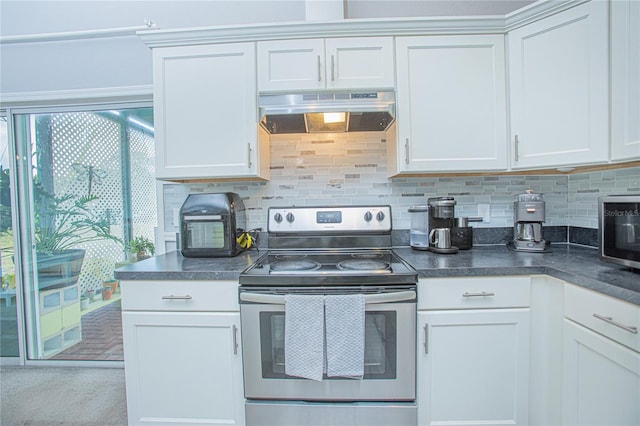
(24, 226)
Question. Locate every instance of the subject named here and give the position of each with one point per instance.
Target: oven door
(389, 375)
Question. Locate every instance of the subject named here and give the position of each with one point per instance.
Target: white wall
(111, 62)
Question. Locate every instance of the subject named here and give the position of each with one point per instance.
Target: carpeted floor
(47, 396)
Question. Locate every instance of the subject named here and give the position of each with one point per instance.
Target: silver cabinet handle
(235, 339)
(332, 68)
(319, 69)
(516, 148)
(172, 297)
(426, 338)
(406, 150)
(249, 154)
(481, 294)
(610, 320)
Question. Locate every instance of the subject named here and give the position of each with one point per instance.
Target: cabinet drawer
(179, 296)
(613, 318)
(474, 293)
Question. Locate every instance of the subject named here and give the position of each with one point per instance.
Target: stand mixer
(529, 214)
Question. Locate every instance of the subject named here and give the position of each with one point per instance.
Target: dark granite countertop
(574, 264)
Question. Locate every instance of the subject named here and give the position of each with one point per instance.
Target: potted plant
(106, 293)
(61, 224)
(142, 247)
(84, 302)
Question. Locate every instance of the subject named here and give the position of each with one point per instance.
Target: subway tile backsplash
(350, 169)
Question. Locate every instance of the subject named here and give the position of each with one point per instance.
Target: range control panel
(329, 219)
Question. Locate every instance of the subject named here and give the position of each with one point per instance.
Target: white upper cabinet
(558, 74)
(625, 80)
(205, 112)
(333, 63)
(450, 104)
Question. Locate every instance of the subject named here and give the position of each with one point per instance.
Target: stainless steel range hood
(327, 112)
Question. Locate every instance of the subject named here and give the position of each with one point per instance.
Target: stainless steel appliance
(326, 252)
(441, 216)
(619, 229)
(210, 224)
(529, 214)
(327, 112)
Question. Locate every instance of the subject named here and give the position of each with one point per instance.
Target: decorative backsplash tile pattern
(585, 188)
(350, 169)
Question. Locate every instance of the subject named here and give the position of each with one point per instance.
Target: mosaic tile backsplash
(350, 169)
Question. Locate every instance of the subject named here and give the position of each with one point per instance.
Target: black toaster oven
(210, 224)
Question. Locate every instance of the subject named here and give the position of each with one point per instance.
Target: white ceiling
(355, 9)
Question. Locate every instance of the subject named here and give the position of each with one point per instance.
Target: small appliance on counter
(431, 225)
(210, 224)
(528, 216)
(619, 229)
(462, 233)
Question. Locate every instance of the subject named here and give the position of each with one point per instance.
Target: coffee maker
(431, 225)
(441, 222)
(528, 216)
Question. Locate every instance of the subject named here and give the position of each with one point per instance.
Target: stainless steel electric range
(323, 252)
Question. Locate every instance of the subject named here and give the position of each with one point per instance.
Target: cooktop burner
(363, 265)
(294, 265)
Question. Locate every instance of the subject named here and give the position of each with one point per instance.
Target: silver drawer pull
(172, 297)
(611, 321)
(481, 294)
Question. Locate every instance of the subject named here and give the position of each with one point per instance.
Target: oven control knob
(277, 217)
(290, 217)
(380, 216)
(368, 216)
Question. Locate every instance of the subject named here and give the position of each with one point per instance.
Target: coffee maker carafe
(528, 216)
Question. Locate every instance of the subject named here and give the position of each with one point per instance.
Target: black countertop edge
(575, 264)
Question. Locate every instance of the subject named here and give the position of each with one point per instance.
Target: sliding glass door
(88, 187)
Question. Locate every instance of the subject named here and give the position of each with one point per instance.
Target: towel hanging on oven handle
(369, 299)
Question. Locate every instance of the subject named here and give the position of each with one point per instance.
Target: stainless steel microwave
(619, 229)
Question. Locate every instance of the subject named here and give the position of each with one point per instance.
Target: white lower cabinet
(473, 361)
(601, 362)
(601, 379)
(182, 367)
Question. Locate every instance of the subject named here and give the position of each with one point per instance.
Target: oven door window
(205, 235)
(622, 230)
(379, 353)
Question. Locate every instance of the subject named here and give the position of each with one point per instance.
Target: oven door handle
(369, 299)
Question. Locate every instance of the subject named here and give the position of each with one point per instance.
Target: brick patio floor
(101, 336)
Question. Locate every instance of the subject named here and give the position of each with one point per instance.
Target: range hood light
(326, 112)
(334, 117)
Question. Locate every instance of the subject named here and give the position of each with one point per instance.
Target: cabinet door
(205, 111)
(601, 379)
(451, 103)
(473, 367)
(625, 80)
(558, 74)
(365, 62)
(183, 368)
(291, 65)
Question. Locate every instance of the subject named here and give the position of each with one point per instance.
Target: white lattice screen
(86, 151)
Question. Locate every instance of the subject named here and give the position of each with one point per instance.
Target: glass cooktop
(362, 267)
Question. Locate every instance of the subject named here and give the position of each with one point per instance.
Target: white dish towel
(304, 336)
(344, 322)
